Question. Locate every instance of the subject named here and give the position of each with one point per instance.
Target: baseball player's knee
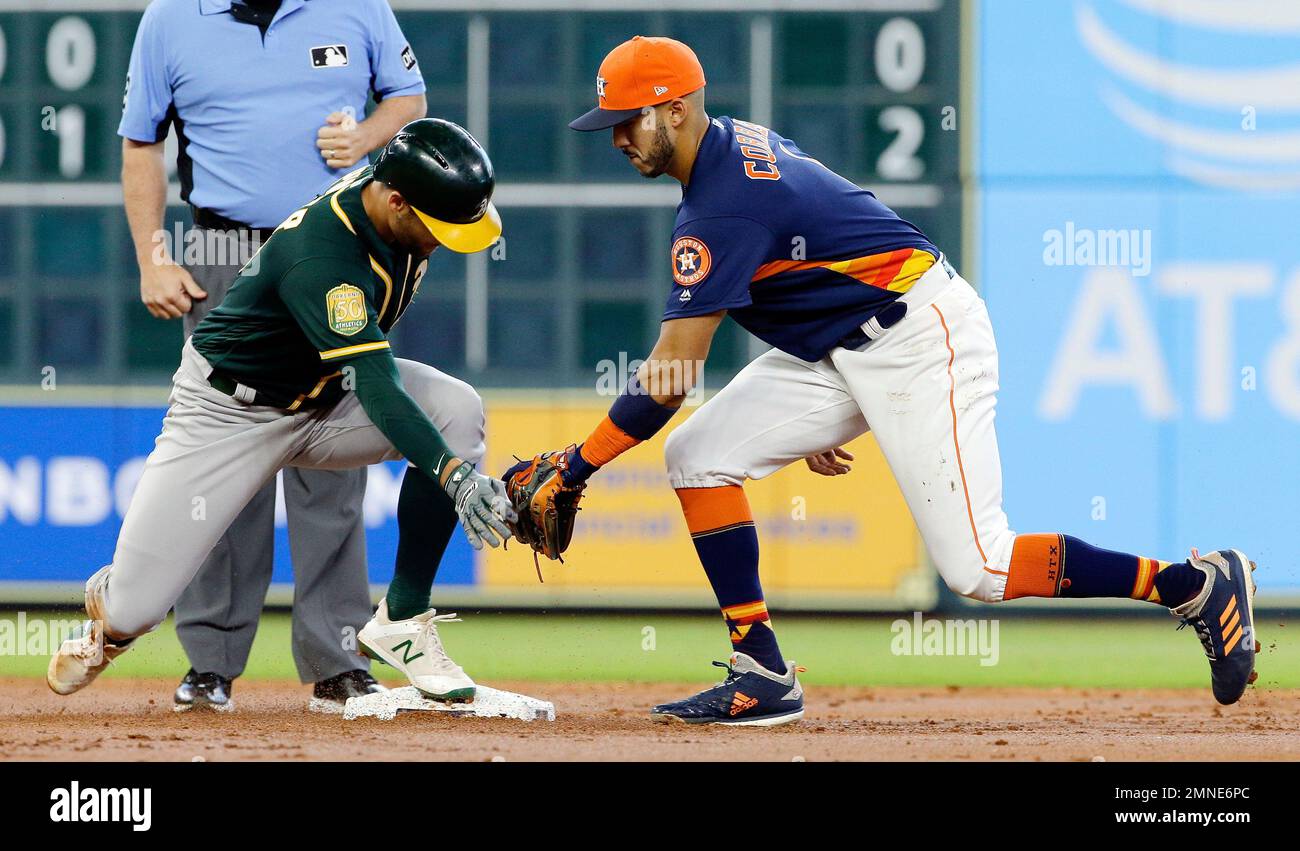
(466, 420)
(675, 449)
(453, 405)
(976, 583)
(977, 573)
(690, 461)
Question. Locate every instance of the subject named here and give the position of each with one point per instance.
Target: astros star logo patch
(691, 261)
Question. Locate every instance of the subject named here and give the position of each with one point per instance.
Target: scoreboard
(870, 87)
(61, 85)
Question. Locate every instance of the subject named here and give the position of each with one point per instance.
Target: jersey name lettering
(760, 162)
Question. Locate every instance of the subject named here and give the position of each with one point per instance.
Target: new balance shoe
(82, 658)
(205, 690)
(749, 696)
(1223, 616)
(330, 696)
(413, 647)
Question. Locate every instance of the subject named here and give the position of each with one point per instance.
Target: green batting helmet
(445, 175)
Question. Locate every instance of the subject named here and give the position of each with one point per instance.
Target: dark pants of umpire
(216, 617)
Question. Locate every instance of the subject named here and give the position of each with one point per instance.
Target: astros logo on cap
(691, 261)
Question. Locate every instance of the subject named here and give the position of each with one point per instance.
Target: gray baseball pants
(217, 615)
(215, 454)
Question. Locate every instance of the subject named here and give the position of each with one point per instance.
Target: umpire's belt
(210, 220)
(922, 293)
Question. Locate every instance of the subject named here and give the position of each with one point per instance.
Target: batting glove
(481, 503)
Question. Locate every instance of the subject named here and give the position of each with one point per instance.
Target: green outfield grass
(1085, 651)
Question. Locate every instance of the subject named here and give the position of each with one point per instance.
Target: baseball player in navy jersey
(871, 328)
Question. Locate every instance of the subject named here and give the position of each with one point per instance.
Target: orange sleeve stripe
(606, 443)
(710, 509)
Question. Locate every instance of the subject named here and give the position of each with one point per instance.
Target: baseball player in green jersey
(294, 369)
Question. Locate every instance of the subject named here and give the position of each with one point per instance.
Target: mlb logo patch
(408, 57)
(329, 56)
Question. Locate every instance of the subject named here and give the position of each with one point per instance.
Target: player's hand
(168, 290)
(828, 463)
(341, 141)
(546, 502)
(485, 510)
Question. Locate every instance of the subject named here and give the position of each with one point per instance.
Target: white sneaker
(80, 659)
(413, 647)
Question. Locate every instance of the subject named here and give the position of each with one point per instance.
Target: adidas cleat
(750, 696)
(1223, 616)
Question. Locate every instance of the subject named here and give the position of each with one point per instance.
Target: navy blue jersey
(799, 256)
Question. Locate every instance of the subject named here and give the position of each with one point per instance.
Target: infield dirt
(121, 719)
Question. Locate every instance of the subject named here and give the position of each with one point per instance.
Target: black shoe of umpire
(208, 691)
(330, 696)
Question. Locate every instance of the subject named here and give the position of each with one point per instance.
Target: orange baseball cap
(642, 71)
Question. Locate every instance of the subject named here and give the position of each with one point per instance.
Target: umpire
(263, 95)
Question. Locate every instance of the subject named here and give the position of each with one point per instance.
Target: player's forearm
(379, 390)
(389, 116)
(634, 417)
(653, 394)
(669, 377)
(144, 194)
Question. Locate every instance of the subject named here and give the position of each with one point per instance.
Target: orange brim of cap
(467, 238)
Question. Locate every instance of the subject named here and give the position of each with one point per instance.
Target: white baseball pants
(926, 388)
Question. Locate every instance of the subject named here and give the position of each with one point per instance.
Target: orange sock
(1057, 565)
(1035, 569)
(722, 529)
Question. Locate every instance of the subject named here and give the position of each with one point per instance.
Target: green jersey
(320, 297)
(323, 290)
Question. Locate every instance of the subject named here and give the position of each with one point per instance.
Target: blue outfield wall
(66, 477)
(1150, 402)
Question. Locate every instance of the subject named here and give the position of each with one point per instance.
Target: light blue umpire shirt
(247, 107)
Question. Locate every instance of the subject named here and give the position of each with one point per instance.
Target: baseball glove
(547, 507)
